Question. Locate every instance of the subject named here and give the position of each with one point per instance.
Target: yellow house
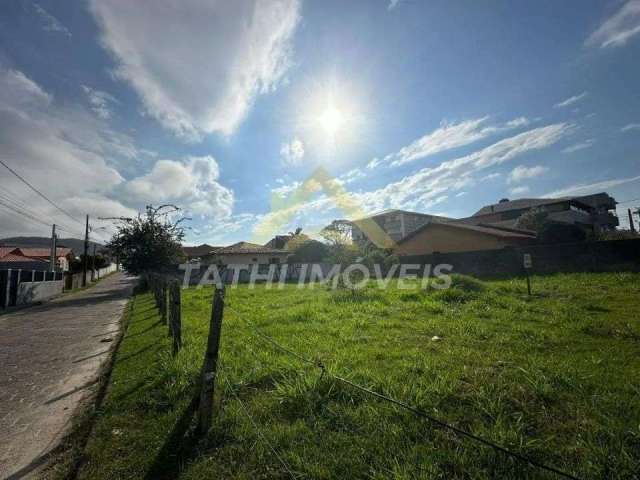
(456, 237)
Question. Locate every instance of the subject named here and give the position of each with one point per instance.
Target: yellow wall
(443, 239)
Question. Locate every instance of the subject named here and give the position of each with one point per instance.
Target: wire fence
(399, 403)
(161, 286)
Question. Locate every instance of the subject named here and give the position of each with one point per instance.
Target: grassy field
(555, 377)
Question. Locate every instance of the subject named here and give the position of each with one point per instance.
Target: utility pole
(93, 263)
(52, 256)
(631, 225)
(86, 252)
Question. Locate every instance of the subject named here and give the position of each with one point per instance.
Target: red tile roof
(43, 252)
(13, 258)
(6, 251)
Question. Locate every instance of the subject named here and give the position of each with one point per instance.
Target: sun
(331, 120)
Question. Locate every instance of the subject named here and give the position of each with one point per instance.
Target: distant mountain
(74, 244)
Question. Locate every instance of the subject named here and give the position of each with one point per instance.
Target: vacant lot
(555, 376)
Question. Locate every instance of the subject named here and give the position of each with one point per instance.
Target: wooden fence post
(210, 364)
(176, 321)
(163, 302)
(7, 297)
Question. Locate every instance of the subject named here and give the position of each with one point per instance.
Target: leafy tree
(534, 219)
(149, 242)
(296, 240)
(311, 251)
(337, 232)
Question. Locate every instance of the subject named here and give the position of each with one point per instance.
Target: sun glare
(331, 120)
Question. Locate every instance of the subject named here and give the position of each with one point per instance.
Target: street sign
(527, 260)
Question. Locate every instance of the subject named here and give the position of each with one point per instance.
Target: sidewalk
(50, 356)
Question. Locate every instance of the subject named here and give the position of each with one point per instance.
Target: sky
(258, 117)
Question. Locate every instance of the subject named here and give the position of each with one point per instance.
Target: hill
(74, 244)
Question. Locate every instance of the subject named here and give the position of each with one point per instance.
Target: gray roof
(198, 250)
(247, 248)
(390, 211)
(522, 203)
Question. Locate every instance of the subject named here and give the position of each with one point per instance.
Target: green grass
(555, 377)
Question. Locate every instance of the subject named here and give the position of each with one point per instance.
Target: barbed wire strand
(406, 406)
(257, 428)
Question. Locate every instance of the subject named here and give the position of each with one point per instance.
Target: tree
(150, 242)
(296, 240)
(534, 219)
(337, 232)
(311, 251)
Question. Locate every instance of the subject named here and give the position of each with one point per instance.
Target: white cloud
(579, 146)
(421, 189)
(286, 189)
(100, 101)
(18, 91)
(204, 75)
(521, 173)
(51, 23)
(351, 176)
(586, 188)
(571, 100)
(519, 190)
(392, 4)
(630, 127)
(518, 122)
(76, 159)
(449, 136)
(191, 183)
(491, 176)
(59, 149)
(374, 163)
(292, 153)
(618, 29)
(223, 230)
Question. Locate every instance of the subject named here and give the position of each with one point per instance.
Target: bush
(467, 283)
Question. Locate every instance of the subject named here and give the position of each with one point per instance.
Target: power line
(406, 406)
(257, 428)
(21, 208)
(22, 214)
(39, 192)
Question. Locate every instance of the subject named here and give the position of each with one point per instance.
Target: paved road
(49, 359)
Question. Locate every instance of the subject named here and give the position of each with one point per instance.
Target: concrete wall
(603, 256)
(245, 258)
(29, 292)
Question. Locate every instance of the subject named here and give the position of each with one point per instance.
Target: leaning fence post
(163, 302)
(176, 321)
(208, 380)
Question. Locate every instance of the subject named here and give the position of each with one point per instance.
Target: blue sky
(226, 108)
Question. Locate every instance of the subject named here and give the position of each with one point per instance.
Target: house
(448, 237)
(287, 242)
(64, 255)
(592, 212)
(197, 252)
(34, 258)
(386, 228)
(10, 258)
(245, 253)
